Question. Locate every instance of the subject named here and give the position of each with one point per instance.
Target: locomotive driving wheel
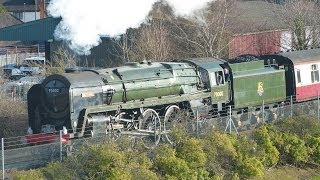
(170, 121)
(150, 126)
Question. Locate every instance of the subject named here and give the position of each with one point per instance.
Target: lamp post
(24, 13)
(35, 9)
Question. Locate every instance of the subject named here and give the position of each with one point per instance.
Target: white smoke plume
(84, 22)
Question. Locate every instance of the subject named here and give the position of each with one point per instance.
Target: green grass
(315, 178)
(292, 173)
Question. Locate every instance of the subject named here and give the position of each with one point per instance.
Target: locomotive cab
(214, 77)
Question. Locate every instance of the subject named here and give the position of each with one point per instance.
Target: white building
(26, 10)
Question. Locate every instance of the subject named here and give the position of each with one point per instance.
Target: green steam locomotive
(143, 98)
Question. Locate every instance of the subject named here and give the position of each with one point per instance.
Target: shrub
(13, 117)
(57, 170)
(292, 148)
(169, 165)
(314, 144)
(139, 165)
(220, 153)
(231, 156)
(296, 149)
(268, 153)
(247, 165)
(303, 126)
(26, 175)
(250, 167)
(105, 161)
(192, 152)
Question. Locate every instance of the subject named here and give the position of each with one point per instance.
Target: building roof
(7, 19)
(39, 30)
(255, 16)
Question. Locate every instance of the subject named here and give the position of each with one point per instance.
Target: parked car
(11, 71)
(33, 65)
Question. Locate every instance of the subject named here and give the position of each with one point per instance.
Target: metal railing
(15, 54)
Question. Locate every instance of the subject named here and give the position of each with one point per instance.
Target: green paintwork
(137, 94)
(147, 80)
(220, 94)
(247, 66)
(253, 87)
(150, 102)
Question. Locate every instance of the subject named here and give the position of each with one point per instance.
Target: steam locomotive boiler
(138, 98)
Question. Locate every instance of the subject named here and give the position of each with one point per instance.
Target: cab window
(204, 78)
(219, 78)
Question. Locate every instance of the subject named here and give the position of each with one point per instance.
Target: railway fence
(16, 152)
(15, 54)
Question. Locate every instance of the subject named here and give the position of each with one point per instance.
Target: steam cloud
(84, 22)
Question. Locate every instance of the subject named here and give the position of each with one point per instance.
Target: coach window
(314, 73)
(219, 77)
(298, 76)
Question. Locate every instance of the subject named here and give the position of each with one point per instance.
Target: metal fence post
(227, 124)
(291, 106)
(16, 57)
(230, 119)
(262, 111)
(197, 121)
(318, 107)
(60, 137)
(2, 154)
(38, 49)
(6, 56)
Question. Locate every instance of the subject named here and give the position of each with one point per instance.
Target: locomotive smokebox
(49, 102)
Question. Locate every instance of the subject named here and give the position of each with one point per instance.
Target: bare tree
(62, 58)
(122, 47)
(153, 43)
(165, 36)
(302, 18)
(206, 31)
(152, 40)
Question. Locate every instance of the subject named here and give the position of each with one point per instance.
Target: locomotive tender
(141, 98)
